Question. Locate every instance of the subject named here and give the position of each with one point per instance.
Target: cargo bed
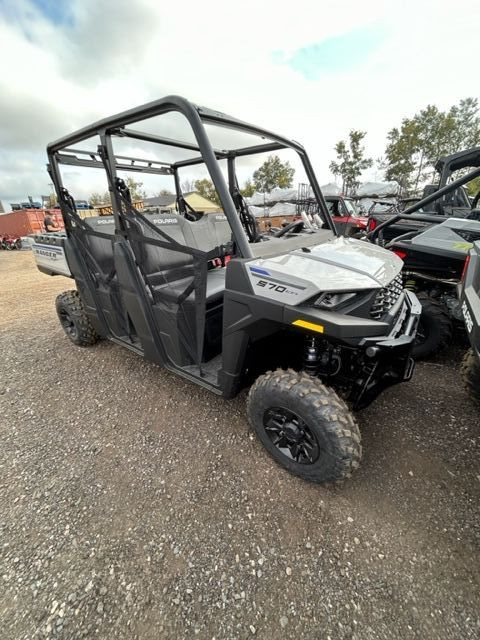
(49, 252)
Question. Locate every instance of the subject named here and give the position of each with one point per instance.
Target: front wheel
(74, 319)
(434, 328)
(470, 370)
(304, 426)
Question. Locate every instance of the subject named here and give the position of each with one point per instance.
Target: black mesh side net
(175, 274)
(96, 250)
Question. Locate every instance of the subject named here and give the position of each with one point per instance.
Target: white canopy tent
(378, 190)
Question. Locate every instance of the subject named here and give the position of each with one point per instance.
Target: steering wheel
(289, 227)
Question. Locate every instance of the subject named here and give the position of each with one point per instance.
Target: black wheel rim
(67, 323)
(291, 435)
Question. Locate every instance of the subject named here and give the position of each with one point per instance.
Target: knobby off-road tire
(470, 370)
(74, 320)
(434, 329)
(300, 404)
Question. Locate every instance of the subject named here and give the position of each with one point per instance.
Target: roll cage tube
(196, 116)
(184, 208)
(461, 160)
(248, 220)
(406, 214)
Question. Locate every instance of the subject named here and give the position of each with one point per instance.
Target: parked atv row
(454, 203)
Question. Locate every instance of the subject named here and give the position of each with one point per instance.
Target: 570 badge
(278, 288)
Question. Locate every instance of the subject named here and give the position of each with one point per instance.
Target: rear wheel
(74, 320)
(434, 328)
(470, 370)
(304, 426)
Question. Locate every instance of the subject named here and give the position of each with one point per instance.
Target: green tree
(97, 198)
(206, 189)
(351, 161)
(413, 149)
(401, 153)
(248, 189)
(136, 191)
(188, 185)
(164, 192)
(473, 187)
(52, 200)
(273, 173)
(466, 133)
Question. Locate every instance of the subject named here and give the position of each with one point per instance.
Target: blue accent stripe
(263, 272)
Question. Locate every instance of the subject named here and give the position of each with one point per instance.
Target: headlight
(332, 300)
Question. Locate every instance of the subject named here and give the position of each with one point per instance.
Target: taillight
(401, 254)
(465, 267)
(372, 224)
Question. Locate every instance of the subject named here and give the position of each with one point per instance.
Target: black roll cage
(60, 152)
(446, 165)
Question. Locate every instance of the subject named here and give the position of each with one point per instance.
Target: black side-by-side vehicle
(434, 257)
(470, 306)
(454, 203)
(310, 319)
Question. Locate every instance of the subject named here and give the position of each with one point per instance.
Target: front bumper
(387, 360)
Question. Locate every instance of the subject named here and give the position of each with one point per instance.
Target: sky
(310, 70)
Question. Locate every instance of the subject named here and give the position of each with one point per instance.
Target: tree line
(413, 147)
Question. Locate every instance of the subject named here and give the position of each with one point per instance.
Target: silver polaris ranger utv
(315, 323)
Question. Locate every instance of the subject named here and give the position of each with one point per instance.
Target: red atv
(347, 216)
(9, 243)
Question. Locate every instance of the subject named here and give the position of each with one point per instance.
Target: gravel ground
(136, 505)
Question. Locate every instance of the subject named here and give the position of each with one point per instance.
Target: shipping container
(26, 221)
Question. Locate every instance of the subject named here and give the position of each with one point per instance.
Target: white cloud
(117, 54)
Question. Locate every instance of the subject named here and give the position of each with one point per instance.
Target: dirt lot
(135, 505)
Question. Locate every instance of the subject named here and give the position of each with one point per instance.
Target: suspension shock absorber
(311, 355)
(411, 285)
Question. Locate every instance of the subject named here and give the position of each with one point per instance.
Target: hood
(343, 264)
(452, 239)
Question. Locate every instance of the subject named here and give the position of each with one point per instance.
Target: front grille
(386, 298)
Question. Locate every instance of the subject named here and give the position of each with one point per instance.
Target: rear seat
(205, 234)
(220, 228)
